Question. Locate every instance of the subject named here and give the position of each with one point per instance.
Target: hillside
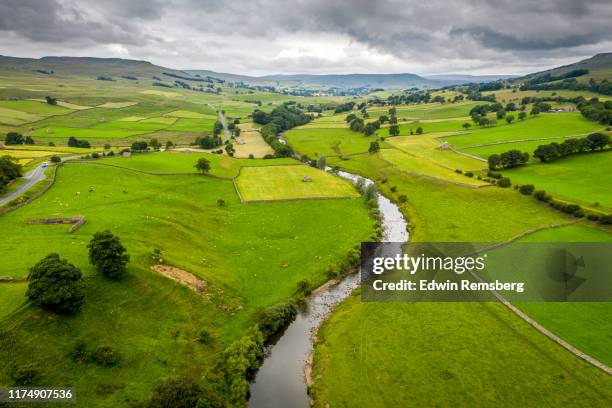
(599, 67)
(83, 67)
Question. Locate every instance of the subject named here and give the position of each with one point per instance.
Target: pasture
(578, 178)
(546, 125)
(327, 142)
(271, 183)
(250, 256)
(251, 142)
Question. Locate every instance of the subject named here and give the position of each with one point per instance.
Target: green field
(578, 178)
(327, 142)
(271, 183)
(184, 162)
(250, 255)
(544, 126)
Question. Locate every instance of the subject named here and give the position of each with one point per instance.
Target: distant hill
(469, 78)
(386, 81)
(599, 67)
(85, 67)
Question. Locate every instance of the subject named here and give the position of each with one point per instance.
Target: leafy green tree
(28, 140)
(374, 147)
(509, 118)
(393, 120)
(322, 162)
(526, 189)
(155, 145)
(419, 130)
(394, 130)
(55, 159)
(13, 138)
(547, 153)
(229, 149)
(169, 144)
(392, 111)
(203, 165)
(383, 118)
(513, 158)
(500, 114)
(466, 125)
(494, 161)
(357, 125)
(350, 117)
(50, 100)
(522, 115)
(141, 146)
(56, 285)
(598, 140)
(107, 254)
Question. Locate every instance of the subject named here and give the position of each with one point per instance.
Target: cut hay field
(184, 162)
(580, 178)
(83, 133)
(271, 183)
(250, 255)
(35, 107)
(251, 142)
(543, 126)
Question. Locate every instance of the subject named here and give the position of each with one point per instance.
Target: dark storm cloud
(461, 34)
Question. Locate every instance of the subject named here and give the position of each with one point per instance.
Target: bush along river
(281, 381)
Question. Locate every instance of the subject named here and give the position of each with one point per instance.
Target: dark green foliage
(513, 158)
(55, 159)
(280, 119)
(419, 131)
(208, 142)
(241, 359)
(345, 107)
(179, 393)
(140, 146)
(374, 147)
(107, 254)
(56, 285)
(9, 171)
(74, 142)
(273, 319)
(13, 138)
(204, 337)
(606, 219)
(504, 182)
(357, 125)
(79, 353)
(553, 151)
(542, 196)
(25, 375)
(394, 130)
(229, 149)
(203, 165)
(50, 100)
(526, 189)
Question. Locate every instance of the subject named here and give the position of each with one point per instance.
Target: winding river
(280, 381)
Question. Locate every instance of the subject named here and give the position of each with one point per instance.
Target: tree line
(280, 119)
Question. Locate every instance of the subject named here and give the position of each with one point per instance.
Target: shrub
(56, 285)
(393, 189)
(527, 189)
(593, 217)
(273, 319)
(176, 393)
(606, 219)
(542, 196)
(204, 337)
(504, 182)
(95, 155)
(25, 375)
(402, 198)
(107, 146)
(55, 159)
(570, 208)
(221, 203)
(459, 171)
(79, 352)
(105, 356)
(469, 174)
(107, 254)
(494, 175)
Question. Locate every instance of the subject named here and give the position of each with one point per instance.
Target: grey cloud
(468, 33)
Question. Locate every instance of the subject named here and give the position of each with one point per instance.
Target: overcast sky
(314, 36)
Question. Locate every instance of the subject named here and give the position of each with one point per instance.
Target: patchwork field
(428, 111)
(327, 142)
(271, 183)
(251, 142)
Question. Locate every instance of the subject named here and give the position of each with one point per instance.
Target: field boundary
(522, 140)
(150, 173)
(580, 354)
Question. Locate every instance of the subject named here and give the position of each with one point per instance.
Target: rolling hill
(599, 67)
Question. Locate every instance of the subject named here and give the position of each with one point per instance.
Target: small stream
(280, 381)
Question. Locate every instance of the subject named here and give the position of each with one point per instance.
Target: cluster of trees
(9, 171)
(345, 107)
(56, 285)
(596, 110)
(50, 100)
(74, 142)
(408, 98)
(507, 160)
(280, 119)
(208, 142)
(553, 151)
(140, 146)
(14, 138)
(358, 125)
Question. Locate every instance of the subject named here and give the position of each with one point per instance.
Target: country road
(222, 120)
(31, 178)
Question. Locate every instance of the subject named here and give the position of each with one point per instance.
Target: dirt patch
(182, 277)
(212, 293)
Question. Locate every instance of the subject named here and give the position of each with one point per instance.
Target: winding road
(222, 120)
(31, 178)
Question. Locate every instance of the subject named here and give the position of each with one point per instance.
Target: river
(280, 381)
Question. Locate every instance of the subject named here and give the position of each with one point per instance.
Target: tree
(350, 117)
(509, 118)
(169, 144)
(56, 285)
(322, 162)
(357, 125)
(394, 130)
(535, 111)
(237, 131)
(383, 118)
(55, 159)
(370, 128)
(50, 100)
(522, 115)
(203, 165)
(107, 254)
(500, 114)
(513, 158)
(182, 393)
(155, 145)
(598, 140)
(28, 140)
(494, 161)
(526, 189)
(374, 147)
(547, 153)
(9, 170)
(393, 120)
(13, 138)
(140, 146)
(229, 149)
(419, 130)
(107, 146)
(466, 125)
